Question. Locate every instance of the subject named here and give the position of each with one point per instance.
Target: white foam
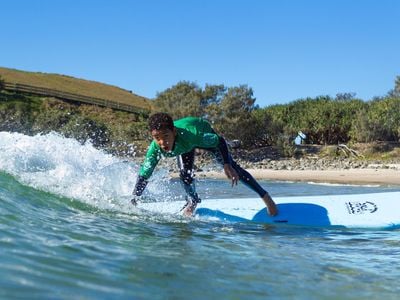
(342, 184)
(67, 168)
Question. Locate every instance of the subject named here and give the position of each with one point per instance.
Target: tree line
(231, 110)
(323, 119)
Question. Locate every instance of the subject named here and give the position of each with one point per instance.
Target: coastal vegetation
(322, 121)
(76, 86)
(117, 132)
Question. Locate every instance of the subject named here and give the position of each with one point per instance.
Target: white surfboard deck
(375, 210)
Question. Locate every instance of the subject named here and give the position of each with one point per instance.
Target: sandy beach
(351, 176)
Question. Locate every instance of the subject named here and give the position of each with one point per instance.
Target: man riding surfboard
(179, 139)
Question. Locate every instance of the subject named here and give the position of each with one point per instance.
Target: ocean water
(67, 231)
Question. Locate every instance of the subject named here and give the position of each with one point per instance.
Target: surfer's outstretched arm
(140, 185)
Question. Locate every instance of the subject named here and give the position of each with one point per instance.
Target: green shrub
(1, 83)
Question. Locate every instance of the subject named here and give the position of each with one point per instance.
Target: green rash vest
(191, 133)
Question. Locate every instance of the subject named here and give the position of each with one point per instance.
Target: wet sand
(350, 176)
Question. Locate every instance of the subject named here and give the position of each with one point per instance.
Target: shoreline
(345, 176)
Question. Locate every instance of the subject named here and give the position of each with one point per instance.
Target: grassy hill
(76, 86)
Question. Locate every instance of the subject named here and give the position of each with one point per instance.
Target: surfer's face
(164, 138)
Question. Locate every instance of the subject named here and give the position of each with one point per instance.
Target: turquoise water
(67, 231)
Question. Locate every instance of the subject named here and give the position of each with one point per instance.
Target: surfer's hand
(135, 200)
(231, 174)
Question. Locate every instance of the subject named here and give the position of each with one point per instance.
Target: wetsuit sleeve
(151, 160)
(140, 186)
(152, 157)
(223, 148)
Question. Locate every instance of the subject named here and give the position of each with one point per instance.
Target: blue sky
(283, 49)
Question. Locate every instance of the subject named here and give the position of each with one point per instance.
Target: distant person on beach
(180, 138)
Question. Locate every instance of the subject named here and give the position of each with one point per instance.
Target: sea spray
(65, 167)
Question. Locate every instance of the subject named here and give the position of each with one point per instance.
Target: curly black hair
(160, 121)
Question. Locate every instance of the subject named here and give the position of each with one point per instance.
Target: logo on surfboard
(358, 208)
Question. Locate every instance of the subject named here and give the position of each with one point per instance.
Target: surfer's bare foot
(271, 206)
(188, 209)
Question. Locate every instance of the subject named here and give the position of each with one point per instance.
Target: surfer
(179, 139)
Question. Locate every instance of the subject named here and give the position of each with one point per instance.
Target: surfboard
(374, 210)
